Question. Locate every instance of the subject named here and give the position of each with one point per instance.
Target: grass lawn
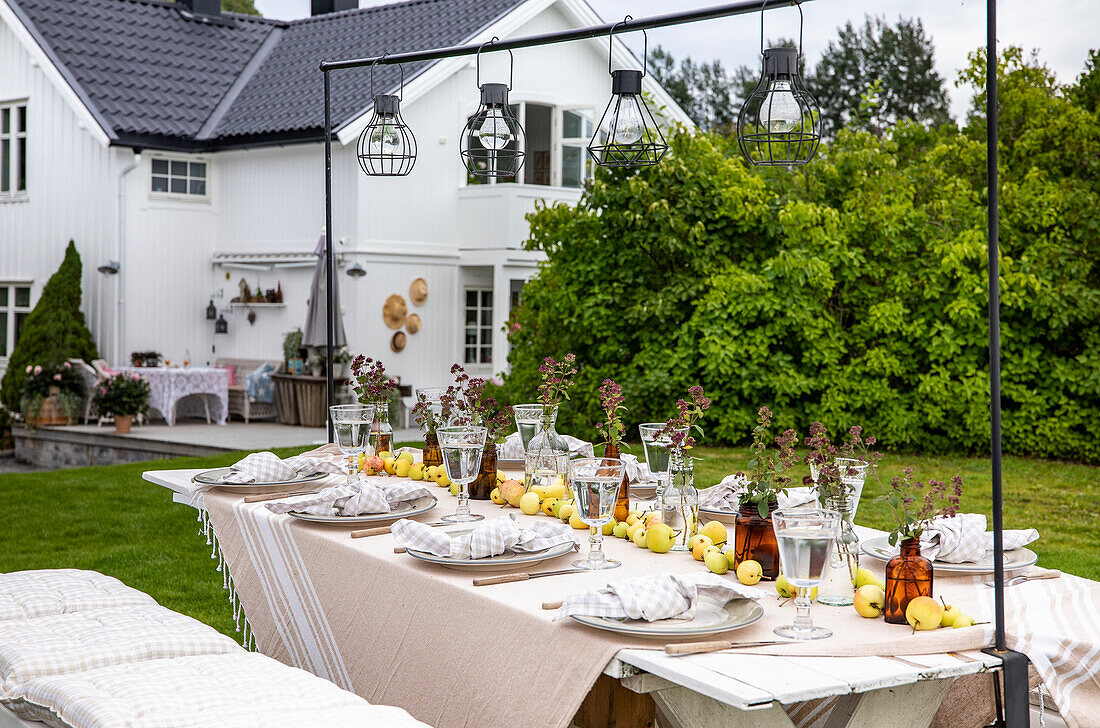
(110, 520)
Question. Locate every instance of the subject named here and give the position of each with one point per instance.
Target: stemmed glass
(351, 424)
(805, 537)
(656, 452)
(462, 448)
(527, 421)
(595, 484)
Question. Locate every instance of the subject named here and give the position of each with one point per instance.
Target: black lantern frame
(221, 326)
(211, 311)
(385, 122)
(614, 143)
(779, 125)
(488, 161)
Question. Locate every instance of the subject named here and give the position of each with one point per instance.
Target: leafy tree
(54, 331)
(853, 292)
(1086, 92)
(900, 56)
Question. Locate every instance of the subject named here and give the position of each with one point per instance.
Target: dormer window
(180, 178)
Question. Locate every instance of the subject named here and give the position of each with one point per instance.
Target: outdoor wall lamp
(779, 124)
(357, 271)
(221, 326)
(211, 311)
(627, 136)
(109, 268)
(493, 143)
(387, 146)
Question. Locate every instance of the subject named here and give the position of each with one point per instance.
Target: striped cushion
(239, 690)
(30, 594)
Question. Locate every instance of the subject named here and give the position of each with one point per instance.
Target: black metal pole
(563, 36)
(1014, 664)
(329, 328)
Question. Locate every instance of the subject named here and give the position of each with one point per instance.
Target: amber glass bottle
(754, 538)
(486, 478)
(908, 576)
(622, 501)
(432, 454)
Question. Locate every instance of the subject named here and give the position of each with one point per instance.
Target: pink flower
(37, 370)
(57, 377)
(68, 365)
(29, 368)
(136, 377)
(103, 390)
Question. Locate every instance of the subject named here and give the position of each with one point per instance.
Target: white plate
(879, 548)
(504, 562)
(711, 617)
(413, 508)
(727, 517)
(213, 477)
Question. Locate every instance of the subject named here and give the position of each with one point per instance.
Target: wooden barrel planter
(51, 414)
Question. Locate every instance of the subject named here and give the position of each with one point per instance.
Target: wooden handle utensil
(521, 576)
(552, 605)
(364, 532)
(260, 497)
(698, 648)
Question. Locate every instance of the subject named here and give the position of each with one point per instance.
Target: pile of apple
(922, 613)
(403, 466)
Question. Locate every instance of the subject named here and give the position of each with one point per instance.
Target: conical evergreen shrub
(54, 331)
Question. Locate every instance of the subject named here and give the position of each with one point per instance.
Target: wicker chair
(91, 379)
(239, 403)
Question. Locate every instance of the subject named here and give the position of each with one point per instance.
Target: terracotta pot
(122, 424)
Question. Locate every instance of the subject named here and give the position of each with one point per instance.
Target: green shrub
(852, 291)
(53, 332)
(122, 394)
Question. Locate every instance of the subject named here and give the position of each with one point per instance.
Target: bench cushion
(214, 691)
(31, 594)
(68, 643)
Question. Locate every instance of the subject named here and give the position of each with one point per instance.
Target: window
(178, 177)
(15, 306)
(13, 150)
(557, 141)
(479, 326)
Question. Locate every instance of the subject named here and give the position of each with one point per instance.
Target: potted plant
(611, 429)
(469, 406)
(292, 348)
(754, 537)
(123, 396)
(372, 386)
(317, 364)
(913, 504)
(51, 395)
(680, 500)
(341, 358)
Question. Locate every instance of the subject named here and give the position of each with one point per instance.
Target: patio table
(456, 655)
(169, 385)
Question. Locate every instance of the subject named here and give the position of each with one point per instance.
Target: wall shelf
(239, 304)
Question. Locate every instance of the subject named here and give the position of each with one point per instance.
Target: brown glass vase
(432, 454)
(908, 576)
(486, 478)
(754, 538)
(622, 501)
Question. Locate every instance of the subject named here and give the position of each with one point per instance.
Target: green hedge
(851, 291)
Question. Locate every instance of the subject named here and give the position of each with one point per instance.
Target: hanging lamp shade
(493, 143)
(221, 326)
(627, 134)
(387, 146)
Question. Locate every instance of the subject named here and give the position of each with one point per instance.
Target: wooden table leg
(684, 708)
(610, 705)
(904, 706)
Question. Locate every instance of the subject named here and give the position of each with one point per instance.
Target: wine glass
(595, 483)
(527, 421)
(351, 423)
(433, 396)
(462, 448)
(805, 537)
(656, 447)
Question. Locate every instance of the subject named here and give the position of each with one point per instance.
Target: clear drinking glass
(351, 424)
(805, 537)
(656, 452)
(462, 448)
(527, 421)
(595, 483)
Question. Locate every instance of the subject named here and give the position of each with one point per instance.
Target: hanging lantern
(221, 326)
(493, 143)
(387, 147)
(779, 124)
(627, 135)
(211, 311)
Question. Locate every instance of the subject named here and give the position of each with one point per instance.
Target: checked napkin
(963, 538)
(266, 467)
(725, 496)
(367, 495)
(654, 596)
(488, 538)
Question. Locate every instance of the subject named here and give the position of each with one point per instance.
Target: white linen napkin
(488, 538)
(366, 495)
(266, 467)
(725, 496)
(512, 448)
(963, 538)
(654, 596)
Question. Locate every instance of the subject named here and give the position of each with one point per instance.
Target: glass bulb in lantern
(628, 126)
(386, 138)
(494, 132)
(779, 112)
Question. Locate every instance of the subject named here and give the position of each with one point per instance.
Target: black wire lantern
(211, 311)
(221, 326)
(779, 124)
(627, 135)
(387, 147)
(493, 143)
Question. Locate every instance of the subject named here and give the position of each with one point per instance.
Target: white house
(185, 144)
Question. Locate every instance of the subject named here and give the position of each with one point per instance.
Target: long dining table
(400, 631)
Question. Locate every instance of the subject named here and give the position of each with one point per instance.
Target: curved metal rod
(797, 4)
(511, 61)
(611, 44)
(376, 62)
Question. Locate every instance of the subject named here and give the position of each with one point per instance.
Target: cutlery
(697, 648)
(275, 496)
(521, 576)
(552, 605)
(1046, 574)
(379, 530)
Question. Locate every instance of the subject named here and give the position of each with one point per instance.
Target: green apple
(609, 527)
(639, 537)
(620, 530)
(963, 620)
(716, 561)
(865, 577)
(660, 538)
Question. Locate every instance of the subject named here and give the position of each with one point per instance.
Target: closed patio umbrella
(316, 331)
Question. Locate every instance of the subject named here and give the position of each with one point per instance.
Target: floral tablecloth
(169, 388)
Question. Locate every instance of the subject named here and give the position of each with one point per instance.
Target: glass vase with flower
(679, 502)
(467, 405)
(546, 461)
(611, 429)
(373, 387)
(909, 574)
(430, 415)
(754, 535)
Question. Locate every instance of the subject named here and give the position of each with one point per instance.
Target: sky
(1062, 31)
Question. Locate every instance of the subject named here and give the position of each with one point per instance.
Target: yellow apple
(384, 454)
(407, 457)
(558, 505)
(923, 613)
(963, 620)
(869, 601)
(639, 538)
(634, 528)
(512, 491)
(866, 576)
(401, 468)
(783, 587)
(441, 478)
(608, 528)
(620, 530)
(529, 503)
(660, 538)
(500, 476)
(950, 614)
(495, 497)
(749, 571)
(416, 471)
(652, 518)
(632, 518)
(699, 543)
(548, 506)
(716, 561)
(576, 522)
(716, 531)
(566, 511)
(454, 489)
(390, 465)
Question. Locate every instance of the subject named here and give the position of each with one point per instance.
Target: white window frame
(10, 310)
(179, 196)
(482, 329)
(561, 141)
(12, 137)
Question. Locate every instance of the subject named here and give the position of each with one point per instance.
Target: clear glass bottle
(838, 579)
(381, 434)
(547, 458)
(680, 501)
